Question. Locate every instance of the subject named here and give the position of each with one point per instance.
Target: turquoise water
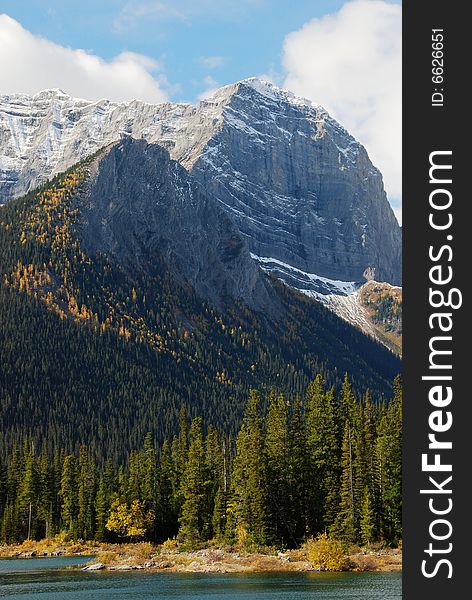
(50, 579)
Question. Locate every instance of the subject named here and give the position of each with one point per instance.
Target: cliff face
(139, 205)
(301, 192)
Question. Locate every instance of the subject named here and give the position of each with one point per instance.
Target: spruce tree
(250, 477)
(344, 526)
(69, 496)
(323, 444)
(277, 454)
(194, 487)
(166, 514)
(299, 475)
(367, 518)
(149, 487)
(28, 493)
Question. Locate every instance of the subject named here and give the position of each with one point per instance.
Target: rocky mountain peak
(139, 206)
(300, 191)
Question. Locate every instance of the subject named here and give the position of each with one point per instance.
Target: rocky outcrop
(140, 205)
(300, 188)
(303, 194)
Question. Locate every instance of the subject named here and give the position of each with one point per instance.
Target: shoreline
(161, 558)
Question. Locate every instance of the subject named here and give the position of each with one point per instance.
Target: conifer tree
(167, 518)
(194, 515)
(102, 509)
(344, 526)
(277, 454)
(149, 475)
(179, 457)
(222, 495)
(367, 518)
(250, 476)
(299, 475)
(86, 495)
(324, 454)
(69, 497)
(28, 492)
(213, 463)
(45, 496)
(389, 456)
(135, 477)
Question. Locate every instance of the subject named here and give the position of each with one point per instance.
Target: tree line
(94, 349)
(297, 467)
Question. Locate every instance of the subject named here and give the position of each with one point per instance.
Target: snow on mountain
(302, 192)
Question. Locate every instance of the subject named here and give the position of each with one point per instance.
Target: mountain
(375, 308)
(301, 191)
(127, 291)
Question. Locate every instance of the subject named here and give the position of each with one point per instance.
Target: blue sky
(248, 35)
(344, 55)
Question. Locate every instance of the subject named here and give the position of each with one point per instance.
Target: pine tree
(28, 493)
(134, 477)
(347, 400)
(323, 446)
(389, 457)
(102, 509)
(69, 497)
(149, 476)
(194, 487)
(214, 466)
(250, 477)
(222, 496)
(277, 454)
(46, 495)
(299, 483)
(367, 518)
(344, 526)
(179, 458)
(86, 495)
(167, 518)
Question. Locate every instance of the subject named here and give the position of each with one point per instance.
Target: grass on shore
(209, 557)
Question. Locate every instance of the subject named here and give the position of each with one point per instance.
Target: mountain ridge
(262, 120)
(89, 339)
(299, 189)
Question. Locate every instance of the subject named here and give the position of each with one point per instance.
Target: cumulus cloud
(29, 63)
(211, 62)
(136, 11)
(211, 85)
(350, 62)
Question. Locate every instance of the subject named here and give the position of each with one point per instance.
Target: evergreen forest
(297, 467)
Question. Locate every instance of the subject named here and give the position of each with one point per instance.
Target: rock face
(140, 205)
(301, 189)
(302, 193)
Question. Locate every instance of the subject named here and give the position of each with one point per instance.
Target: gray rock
(300, 190)
(94, 567)
(139, 205)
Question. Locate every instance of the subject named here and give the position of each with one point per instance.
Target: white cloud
(211, 85)
(136, 11)
(29, 63)
(350, 62)
(211, 62)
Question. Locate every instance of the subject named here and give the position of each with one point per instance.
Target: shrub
(143, 552)
(75, 548)
(106, 557)
(170, 545)
(326, 554)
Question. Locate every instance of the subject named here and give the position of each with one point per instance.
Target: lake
(53, 579)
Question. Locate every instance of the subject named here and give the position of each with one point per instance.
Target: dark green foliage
(289, 476)
(94, 354)
(95, 358)
(250, 477)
